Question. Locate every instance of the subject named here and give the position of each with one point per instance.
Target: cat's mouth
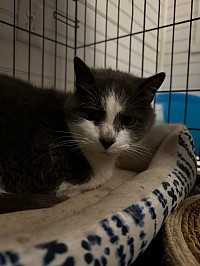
(107, 153)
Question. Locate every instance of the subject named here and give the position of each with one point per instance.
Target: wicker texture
(182, 234)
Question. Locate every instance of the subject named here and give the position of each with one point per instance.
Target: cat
(55, 144)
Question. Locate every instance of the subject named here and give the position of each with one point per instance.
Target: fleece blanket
(115, 223)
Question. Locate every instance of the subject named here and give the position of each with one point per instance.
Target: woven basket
(181, 234)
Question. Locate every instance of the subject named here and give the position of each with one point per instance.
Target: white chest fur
(102, 167)
(102, 171)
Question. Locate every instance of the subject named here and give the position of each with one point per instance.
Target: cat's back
(28, 114)
(30, 121)
(16, 92)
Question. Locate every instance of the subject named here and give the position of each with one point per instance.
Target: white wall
(62, 54)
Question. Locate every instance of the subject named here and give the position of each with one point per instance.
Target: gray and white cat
(56, 145)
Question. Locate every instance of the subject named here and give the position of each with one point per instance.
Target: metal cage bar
(130, 41)
(14, 37)
(43, 42)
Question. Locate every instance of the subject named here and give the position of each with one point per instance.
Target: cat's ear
(149, 87)
(83, 73)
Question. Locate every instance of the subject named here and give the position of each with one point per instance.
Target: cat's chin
(107, 154)
(102, 154)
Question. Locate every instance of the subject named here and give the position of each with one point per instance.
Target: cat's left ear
(83, 73)
(149, 87)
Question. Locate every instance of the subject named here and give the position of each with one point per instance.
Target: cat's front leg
(68, 190)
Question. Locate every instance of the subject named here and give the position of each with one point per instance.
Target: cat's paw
(68, 190)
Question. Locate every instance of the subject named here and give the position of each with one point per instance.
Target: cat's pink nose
(106, 143)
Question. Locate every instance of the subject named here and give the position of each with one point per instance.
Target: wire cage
(39, 38)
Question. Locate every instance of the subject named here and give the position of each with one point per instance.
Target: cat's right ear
(83, 73)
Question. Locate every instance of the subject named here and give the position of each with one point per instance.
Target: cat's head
(111, 110)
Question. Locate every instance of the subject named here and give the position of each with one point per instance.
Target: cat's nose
(106, 143)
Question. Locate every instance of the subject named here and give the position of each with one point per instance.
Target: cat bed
(115, 223)
(181, 234)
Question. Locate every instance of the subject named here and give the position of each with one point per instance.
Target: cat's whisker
(141, 145)
(75, 149)
(142, 151)
(140, 100)
(136, 155)
(85, 140)
(68, 133)
(55, 146)
(56, 139)
(77, 137)
(90, 104)
(82, 147)
(92, 89)
(138, 148)
(64, 143)
(73, 135)
(89, 89)
(138, 93)
(80, 143)
(138, 106)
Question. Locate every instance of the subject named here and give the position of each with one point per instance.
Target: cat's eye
(94, 114)
(128, 120)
